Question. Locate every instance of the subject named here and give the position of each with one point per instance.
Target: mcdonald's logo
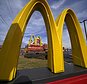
(11, 46)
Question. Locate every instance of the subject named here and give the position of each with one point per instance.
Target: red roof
(35, 48)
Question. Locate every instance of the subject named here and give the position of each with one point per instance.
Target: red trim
(81, 79)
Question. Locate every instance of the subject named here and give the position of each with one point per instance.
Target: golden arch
(79, 47)
(11, 47)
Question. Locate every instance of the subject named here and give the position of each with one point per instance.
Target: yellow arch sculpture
(11, 47)
(79, 47)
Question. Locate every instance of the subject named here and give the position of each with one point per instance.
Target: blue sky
(10, 8)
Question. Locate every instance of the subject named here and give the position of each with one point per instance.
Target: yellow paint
(79, 47)
(9, 53)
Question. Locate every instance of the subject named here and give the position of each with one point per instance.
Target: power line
(10, 7)
(7, 4)
(3, 21)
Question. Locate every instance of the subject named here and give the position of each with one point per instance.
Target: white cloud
(82, 14)
(36, 19)
(19, 4)
(78, 5)
(44, 40)
(38, 22)
(35, 30)
(25, 40)
(66, 39)
(58, 4)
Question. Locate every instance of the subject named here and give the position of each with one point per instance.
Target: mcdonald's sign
(11, 46)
